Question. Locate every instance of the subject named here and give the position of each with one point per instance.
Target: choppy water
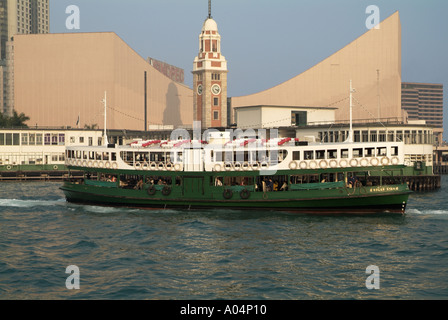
(220, 254)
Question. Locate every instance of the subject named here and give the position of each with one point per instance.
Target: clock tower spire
(210, 78)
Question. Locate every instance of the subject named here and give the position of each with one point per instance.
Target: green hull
(363, 200)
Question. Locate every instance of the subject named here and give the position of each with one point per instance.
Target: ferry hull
(332, 202)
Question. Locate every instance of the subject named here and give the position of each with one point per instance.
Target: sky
(266, 42)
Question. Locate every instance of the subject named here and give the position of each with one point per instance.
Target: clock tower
(210, 78)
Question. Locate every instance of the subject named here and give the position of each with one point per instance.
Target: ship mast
(105, 142)
(350, 134)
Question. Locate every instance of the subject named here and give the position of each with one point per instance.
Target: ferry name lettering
(382, 189)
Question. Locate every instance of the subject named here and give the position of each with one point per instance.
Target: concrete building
(265, 116)
(424, 101)
(73, 74)
(210, 78)
(17, 17)
(372, 62)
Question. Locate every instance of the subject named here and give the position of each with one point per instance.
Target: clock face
(200, 89)
(216, 89)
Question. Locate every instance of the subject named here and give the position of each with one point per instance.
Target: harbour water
(124, 253)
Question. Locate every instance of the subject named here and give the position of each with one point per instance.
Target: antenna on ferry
(350, 134)
(105, 142)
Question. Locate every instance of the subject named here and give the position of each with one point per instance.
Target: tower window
(216, 101)
(215, 115)
(216, 76)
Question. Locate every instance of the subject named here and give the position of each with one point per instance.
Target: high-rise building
(423, 101)
(17, 17)
(210, 78)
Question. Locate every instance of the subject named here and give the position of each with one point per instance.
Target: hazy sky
(266, 42)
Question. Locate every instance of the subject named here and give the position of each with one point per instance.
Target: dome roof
(210, 25)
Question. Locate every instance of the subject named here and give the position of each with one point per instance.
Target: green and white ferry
(277, 174)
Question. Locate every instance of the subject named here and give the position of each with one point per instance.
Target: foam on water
(30, 203)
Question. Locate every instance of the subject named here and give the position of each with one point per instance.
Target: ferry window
(72, 139)
(357, 153)
(381, 151)
(90, 141)
(54, 139)
(105, 156)
(373, 136)
(357, 137)
(365, 136)
(8, 139)
(24, 139)
(54, 157)
(179, 157)
(32, 139)
(98, 156)
(282, 154)
(81, 139)
(84, 155)
(399, 136)
(390, 136)
(336, 136)
(394, 151)
(61, 139)
(308, 155)
(114, 156)
(47, 139)
(296, 155)
(382, 136)
(370, 152)
(218, 181)
(16, 139)
(91, 155)
(344, 153)
(320, 154)
(332, 154)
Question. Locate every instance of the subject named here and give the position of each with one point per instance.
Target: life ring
(169, 166)
(364, 162)
(228, 166)
(55, 167)
(177, 167)
(333, 163)
(95, 164)
(343, 163)
(161, 166)
(153, 166)
(107, 164)
(138, 165)
(323, 164)
(145, 165)
(303, 165)
(101, 164)
(84, 163)
(90, 164)
(237, 166)
(313, 164)
(255, 165)
(217, 167)
(384, 161)
(245, 194)
(264, 164)
(166, 191)
(374, 162)
(353, 162)
(151, 190)
(8, 167)
(293, 165)
(265, 196)
(227, 194)
(245, 165)
(395, 160)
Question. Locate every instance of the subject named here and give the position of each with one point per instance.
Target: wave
(30, 203)
(426, 211)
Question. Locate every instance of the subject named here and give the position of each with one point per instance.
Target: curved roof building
(372, 62)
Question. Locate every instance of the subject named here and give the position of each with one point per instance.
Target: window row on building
(408, 136)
